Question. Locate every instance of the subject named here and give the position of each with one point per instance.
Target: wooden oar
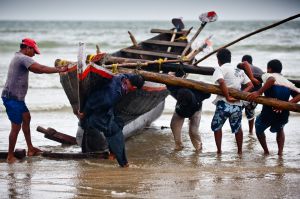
(204, 18)
(133, 40)
(210, 88)
(248, 35)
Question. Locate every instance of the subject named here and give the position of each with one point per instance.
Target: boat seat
(151, 53)
(165, 43)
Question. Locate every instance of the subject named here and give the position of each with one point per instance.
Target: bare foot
(11, 159)
(34, 152)
(178, 147)
(125, 166)
(111, 156)
(199, 148)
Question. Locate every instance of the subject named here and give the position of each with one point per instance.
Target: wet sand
(156, 170)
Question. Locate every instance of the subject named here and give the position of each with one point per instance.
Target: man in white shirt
(226, 76)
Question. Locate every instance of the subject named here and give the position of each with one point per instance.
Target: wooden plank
(168, 31)
(150, 53)
(52, 134)
(19, 153)
(165, 43)
(102, 155)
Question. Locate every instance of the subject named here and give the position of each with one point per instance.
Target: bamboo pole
(248, 35)
(210, 88)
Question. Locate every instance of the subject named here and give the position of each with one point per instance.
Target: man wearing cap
(14, 92)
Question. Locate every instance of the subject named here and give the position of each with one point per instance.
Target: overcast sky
(146, 9)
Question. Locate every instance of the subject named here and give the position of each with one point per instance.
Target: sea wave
(270, 47)
(56, 108)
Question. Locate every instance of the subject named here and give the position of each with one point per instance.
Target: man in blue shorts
(14, 92)
(226, 76)
(275, 86)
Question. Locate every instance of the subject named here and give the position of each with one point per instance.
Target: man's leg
(260, 128)
(26, 130)
(194, 130)
(262, 140)
(251, 124)
(217, 123)
(239, 140)
(280, 138)
(218, 140)
(15, 129)
(235, 121)
(176, 126)
(250, 114)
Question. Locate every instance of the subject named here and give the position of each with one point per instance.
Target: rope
(114, 68)
(138, 65)
(182, 38)
(159, 61)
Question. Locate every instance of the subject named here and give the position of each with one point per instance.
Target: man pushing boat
(98, 116)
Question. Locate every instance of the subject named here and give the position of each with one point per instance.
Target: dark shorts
(263, 122)
(250, 110)
(15, 109)
(225, 111)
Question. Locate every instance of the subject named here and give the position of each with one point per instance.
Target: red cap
(31, 43)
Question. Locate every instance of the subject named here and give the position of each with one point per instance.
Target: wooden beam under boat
(18, 153)
(210, 88)
(54, 135)
(102, 155)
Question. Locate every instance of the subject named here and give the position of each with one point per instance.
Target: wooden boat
(140, 108)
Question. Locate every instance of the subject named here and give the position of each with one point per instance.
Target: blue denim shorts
(225, 111)
(15, 109)
(262, 123)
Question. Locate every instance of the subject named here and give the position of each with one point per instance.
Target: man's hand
(231, 99)
(255, 81)
(62, 69)
(253, 95)
(276, 110)
(80, 114)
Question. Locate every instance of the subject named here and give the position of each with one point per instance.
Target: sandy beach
(156, 170)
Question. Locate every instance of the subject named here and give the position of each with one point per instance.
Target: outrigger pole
(80, 66)
(210, 88)
(248, 35)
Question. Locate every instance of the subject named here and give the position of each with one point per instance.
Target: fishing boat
(137, 109)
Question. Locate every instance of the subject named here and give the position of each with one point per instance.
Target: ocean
(156, 170)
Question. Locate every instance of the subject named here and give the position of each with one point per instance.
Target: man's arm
(224, 90)
(295, 99)
(247, 68)
(270, 82)
(38, 68)
(249, 87)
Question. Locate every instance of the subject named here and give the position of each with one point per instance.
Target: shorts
(15, 109)
(262, 123)
(250, 110)
(225, 111)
